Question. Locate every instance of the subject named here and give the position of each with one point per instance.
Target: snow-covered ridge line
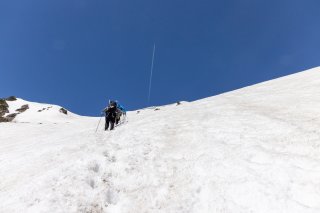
(19, 110)
(298, 78)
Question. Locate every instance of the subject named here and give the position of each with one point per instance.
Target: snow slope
(256, 149)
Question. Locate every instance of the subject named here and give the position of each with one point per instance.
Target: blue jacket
(121, 108)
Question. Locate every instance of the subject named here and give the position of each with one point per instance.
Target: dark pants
(111, 120)
(118, 118)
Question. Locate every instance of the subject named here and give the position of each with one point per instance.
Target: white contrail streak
(151, 72)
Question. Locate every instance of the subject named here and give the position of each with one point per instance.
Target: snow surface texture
(256, 149)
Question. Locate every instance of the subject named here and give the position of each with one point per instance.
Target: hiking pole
(98, 124)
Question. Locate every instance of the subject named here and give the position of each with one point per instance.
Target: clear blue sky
(80, 53)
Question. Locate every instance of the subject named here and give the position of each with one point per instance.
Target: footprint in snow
(112, 196)
(94, 166)
(110, 158)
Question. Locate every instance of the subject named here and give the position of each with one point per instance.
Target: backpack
(112, 104)
(121, 108)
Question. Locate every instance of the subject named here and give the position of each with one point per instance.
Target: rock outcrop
(11, 116)
(3, 107)
(11, 98)
(23, 108)
(64, 111)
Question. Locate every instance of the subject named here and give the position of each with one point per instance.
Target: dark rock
(11, 98)
(10, 117)
(64, 111)
(3, 110)
(156, 109)
(3, 103)
(178, 103)
(23, 108)
(2, 119)
(3, 107)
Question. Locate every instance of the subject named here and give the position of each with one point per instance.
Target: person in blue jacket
(120, 112)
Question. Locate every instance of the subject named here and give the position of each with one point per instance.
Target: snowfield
(256, 150)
